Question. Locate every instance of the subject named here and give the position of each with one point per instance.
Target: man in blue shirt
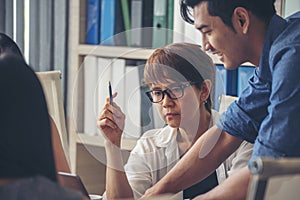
(267, 112)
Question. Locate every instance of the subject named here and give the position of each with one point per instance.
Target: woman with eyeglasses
(180, 77)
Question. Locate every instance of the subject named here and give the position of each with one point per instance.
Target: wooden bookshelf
(78, 50)
(83, 162)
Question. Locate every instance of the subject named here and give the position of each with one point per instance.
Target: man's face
(220, 39)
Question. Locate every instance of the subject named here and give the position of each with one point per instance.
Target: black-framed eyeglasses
(174, 92)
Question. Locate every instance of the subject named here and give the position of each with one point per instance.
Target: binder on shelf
(119, 36)
(225, 84)
(136, 23)
(178, 25)
(159, 23)
(191, 34)
(132, 107)
(170, 21)
(90, 85)
(118, 80)
(146, 105)
(93, 22)
(108, 18)
(126, 17)
(141, 23)
(244, 73)
(182, 31)
(147, 24)
(103, 77)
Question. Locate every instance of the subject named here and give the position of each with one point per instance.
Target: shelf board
(126, 52)
(115, 52)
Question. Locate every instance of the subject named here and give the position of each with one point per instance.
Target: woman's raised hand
(111, 122)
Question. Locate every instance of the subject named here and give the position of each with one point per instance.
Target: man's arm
(233, 188)
(209, 151)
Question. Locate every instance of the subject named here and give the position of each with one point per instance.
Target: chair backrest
(51, 83)
(225, 101)
(274, 179)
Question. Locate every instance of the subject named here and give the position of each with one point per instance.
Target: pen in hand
(110, 93)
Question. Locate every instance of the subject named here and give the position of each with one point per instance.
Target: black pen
(110, 93)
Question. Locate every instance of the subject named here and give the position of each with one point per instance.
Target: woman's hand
(152, 192)
(111, 122)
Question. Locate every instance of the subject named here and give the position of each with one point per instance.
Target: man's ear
(205, 89)
(241, 19)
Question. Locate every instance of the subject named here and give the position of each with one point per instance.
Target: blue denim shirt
(268, 110)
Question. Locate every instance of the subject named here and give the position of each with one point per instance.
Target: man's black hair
(263, 9)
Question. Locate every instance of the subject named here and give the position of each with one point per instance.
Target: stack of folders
(126, 79)
(135, 23)
(105, 19)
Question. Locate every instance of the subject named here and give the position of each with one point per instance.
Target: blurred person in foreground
(27, 168)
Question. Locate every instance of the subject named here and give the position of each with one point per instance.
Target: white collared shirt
(156, 153)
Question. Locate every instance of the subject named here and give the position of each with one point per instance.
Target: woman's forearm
(117, 185)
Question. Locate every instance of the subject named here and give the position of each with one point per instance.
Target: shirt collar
(165, 136)
(276, 26)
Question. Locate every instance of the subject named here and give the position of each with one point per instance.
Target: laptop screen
(72, 181)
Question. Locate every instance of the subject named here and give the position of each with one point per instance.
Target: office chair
(51, 83)
(274, 179)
